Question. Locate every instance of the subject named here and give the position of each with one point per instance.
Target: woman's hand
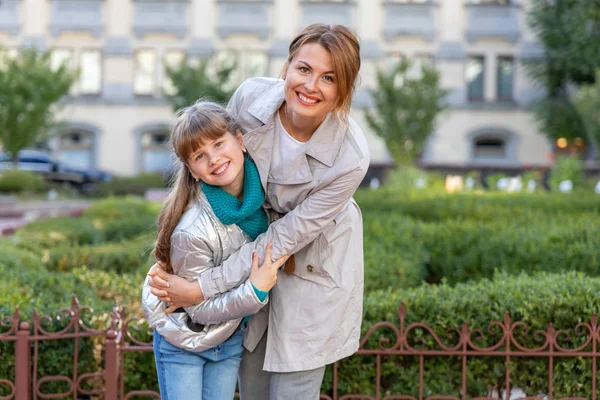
(176, 290)
(264, 278)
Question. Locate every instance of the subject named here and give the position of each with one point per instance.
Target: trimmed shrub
(121, 207)
(119, 257)
(564, 300)
(126, 186)
(15, 181)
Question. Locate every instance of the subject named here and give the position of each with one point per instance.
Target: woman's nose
(311, 84)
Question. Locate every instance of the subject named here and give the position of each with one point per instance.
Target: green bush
(116, 208)
(125, 186)
(565, 300)
(567, 168)
(114, 257)
(15, 181)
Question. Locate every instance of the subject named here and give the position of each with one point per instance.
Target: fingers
(159, 279)
(268, 252)
(279, 262)
(254, 260)
(171, 309)
(161, 294)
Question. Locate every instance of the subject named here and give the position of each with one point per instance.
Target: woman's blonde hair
(344, 48)
(195, 125)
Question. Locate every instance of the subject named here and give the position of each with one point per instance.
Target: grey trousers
(256, 384)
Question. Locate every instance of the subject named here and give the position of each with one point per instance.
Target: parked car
(53, 170)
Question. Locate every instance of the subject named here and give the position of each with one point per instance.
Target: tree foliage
(569, 31)
(405, 109)
(208, 79)
(587, 102)
(29, 92)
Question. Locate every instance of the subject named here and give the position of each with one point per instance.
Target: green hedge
(125, 186)
(415, 236)
(16, 181)
(562, 299)
(411, 237)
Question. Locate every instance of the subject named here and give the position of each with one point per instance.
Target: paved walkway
(15, 214)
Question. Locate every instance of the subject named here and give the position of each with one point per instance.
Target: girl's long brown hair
(195, 125)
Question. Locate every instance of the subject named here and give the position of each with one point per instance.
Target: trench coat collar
(325, 143)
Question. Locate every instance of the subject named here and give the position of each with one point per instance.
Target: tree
(587, 102)
(29, 92)
(406, 109)
(569, 31)
(192, 82)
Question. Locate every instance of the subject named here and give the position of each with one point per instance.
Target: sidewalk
(14, 214)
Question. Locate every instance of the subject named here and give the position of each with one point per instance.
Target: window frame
(155, 72)
(500, 98)
(470, 98)
(80, 54)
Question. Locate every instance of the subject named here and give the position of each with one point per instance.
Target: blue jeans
(208, 375)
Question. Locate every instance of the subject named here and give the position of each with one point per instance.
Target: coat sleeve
(288, 234)
(237, 303)
(190, 255)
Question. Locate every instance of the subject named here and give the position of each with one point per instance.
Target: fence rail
(506, 340)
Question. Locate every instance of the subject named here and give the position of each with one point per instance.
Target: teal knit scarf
(248, 214)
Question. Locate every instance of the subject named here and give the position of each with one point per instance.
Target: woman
(311, 158)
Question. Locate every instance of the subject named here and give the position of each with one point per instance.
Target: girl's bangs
(196, 135)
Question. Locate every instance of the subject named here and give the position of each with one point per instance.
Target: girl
(213, 209)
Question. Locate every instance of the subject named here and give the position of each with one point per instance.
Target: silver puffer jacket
(199, 242)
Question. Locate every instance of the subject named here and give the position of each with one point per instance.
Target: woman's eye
(329, 78)
(303, 69)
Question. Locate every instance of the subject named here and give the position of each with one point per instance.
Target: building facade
(117, 120)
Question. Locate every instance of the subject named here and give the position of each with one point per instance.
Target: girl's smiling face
(220, 162)
(311, 89)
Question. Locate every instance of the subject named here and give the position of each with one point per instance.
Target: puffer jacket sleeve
(192, 254)
(237, 303)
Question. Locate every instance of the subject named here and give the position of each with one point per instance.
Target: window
(248, 64)
(90, 77)
(76, 149)
(489, 147)
(505, 78)
(156, 152)
(59, 57)
(475, 78)
(144, 81)
(172, 59)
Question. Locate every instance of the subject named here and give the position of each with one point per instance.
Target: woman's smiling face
(311, 88)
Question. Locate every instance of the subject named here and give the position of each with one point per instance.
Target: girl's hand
(174, 289)
(264, 278)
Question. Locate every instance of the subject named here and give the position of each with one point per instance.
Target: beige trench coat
(315, 314)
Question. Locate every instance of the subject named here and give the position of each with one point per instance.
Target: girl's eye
(218, 144)
(199, 156)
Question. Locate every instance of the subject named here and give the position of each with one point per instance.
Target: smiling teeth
(217, 172)
(307, 100)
